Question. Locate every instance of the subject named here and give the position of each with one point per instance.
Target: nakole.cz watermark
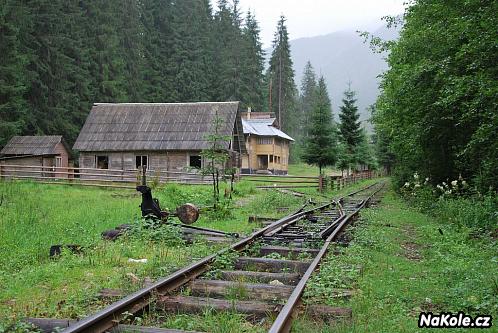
(450, 320)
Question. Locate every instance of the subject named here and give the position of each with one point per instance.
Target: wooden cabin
(160, 136)
(266, 145)
(45, 151)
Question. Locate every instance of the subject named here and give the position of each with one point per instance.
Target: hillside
(342, 57)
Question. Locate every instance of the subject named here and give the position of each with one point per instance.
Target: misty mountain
(343, 57)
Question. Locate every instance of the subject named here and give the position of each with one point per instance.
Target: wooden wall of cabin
(63, 156)
(277, 152)
(163, 161)
(47, 162)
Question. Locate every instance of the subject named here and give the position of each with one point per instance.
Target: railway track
(268, 275)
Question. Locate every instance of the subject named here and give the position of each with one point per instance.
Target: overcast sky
(306, 18)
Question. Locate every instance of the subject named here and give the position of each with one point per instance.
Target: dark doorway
(262, 162)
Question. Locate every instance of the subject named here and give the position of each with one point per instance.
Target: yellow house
(267, 146)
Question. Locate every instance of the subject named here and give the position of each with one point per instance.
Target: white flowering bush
(455, 188)
(455, 202)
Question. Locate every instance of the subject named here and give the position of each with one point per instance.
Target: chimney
(249, 113)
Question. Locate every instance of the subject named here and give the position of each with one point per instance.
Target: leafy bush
(453, 202)
(155, 231)
(478, 213)
(273, 199)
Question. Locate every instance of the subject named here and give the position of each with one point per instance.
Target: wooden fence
(319, 182)
(98, 177)
(130, 178)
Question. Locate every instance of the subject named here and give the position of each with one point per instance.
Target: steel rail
(111, 315)
(283, 321)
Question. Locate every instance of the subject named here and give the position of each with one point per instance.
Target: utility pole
(280, 125)
(269, 100)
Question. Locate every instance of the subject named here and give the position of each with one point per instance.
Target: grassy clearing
(35, 216)
(302, 169)
(408, 267)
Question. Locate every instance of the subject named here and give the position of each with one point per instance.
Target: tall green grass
(35, 216)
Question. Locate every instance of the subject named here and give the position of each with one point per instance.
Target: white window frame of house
(58, 161)
(97, 161)
(142, 161)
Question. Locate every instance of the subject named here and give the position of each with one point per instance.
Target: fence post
(320, 183)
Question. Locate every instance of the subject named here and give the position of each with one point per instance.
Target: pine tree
(280, 76)
(131, 47)
(193, 52)
(58, 95)
(364, 152)
(252, 65)
(320, 146)
(158, 75)
(108, 64)
(350, 129)
(13, 107)
(59, 57)
(307, 96)
(229, 54)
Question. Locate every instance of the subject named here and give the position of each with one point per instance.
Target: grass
(35, 216)
(408, 267)
(303, 169)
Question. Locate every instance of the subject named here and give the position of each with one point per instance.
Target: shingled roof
(32, 145)
(157, 126)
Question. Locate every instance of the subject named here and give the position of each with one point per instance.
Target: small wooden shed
(45, 151)
(161, 136)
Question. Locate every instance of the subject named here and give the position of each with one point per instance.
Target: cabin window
(140, 161)
(271, 158)
(102, 161)
(58, 161)
(265, 140)
(195, 161)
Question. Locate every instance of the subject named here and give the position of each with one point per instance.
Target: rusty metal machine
(187, 213)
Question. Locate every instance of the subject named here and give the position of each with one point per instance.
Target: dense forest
(58, 57)
(437, 113)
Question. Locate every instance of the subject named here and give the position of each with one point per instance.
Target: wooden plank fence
(319, 182)
(99, 177)
(130, 178)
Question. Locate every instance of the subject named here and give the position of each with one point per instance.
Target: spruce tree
(252, 65)
(193, 51)
(350, 130)
(13, 107)
(280, 76)
(59, 57)
(57, 94)
(307, 96)
(364, 152)
(158, 74)
(229, 54)
(108, 58)
(320, 146)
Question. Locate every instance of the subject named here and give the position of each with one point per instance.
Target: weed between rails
(35, 216)
(451, 272)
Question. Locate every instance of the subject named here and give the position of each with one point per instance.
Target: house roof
(157, 126)
(32, 145)
(263, 127)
